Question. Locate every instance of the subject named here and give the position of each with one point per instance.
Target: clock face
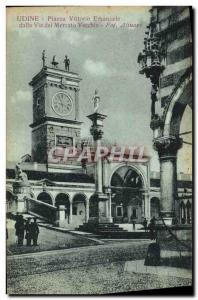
(62, 104)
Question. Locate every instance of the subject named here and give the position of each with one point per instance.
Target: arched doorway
(155, 207)
(79, 209)
(168, 143)
(45, 197)
(179, 99)
(11, 205)
(63, 199)
(126, 186)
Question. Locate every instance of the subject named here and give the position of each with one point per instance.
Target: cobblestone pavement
(89, 270)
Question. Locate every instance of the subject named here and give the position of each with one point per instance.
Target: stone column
(98, 169)
(143, 208)
(109, 210)
(87, 211)
(97, 133)
(167, 148)
(61, 215)
(147, 209)
(70, 212)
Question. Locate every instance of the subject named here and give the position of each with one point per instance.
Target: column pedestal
(103, 216)
(21, 190)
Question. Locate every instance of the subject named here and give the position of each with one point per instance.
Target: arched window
(45, 197)
(189, 212)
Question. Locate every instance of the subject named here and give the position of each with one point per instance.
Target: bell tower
(55, 110)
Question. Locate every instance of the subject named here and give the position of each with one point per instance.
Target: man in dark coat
(19, 227)
(152, 228)
(35, 232)
(145, 224)
(28, 234)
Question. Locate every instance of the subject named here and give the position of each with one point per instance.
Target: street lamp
(152, 63)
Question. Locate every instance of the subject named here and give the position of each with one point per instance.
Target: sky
(105, 59)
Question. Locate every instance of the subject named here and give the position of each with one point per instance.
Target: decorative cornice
(52, 119)
(58, 73)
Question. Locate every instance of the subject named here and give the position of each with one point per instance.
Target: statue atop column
(96, 101)
(54, 62)
(43, 58)
(21, 189)
(67, 63)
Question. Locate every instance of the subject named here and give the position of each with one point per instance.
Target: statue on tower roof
(43, 58)
(67, 63)
(96, 101)
(54, 62)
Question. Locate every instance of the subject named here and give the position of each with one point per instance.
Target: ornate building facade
(167, 61)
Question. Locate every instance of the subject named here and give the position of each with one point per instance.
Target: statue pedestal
(102, 210)
(103, 213)
(21, 190)
(173, 246)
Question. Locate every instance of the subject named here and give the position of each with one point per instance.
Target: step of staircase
(110, 230)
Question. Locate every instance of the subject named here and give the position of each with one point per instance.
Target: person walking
(28, 234)
(145, 224)
(152, 229)
(19, 229)
(35, 232)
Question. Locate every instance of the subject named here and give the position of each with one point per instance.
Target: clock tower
(55, 112)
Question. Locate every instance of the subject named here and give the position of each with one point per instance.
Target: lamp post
(152, 63)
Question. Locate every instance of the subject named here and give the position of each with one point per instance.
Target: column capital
(96, 132)
(97, 125)
(167, 146)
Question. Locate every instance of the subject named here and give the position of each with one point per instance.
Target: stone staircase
(40, 220)
(111, 231)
